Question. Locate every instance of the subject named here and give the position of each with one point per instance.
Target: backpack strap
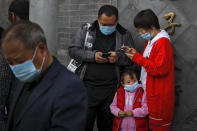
(87, 26)
(73, 64)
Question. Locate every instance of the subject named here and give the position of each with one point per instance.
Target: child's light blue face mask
(27, 72)
(131, 88)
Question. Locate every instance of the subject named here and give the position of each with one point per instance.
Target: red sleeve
(160, 65)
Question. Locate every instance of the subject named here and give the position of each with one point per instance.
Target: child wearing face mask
(129, 105)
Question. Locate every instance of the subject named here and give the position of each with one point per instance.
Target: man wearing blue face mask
(96, 46)
(47, 96)
(18, 10)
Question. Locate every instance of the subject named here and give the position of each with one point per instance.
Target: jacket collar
(119, 28)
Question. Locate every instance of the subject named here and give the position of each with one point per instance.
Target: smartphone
(105, 55)
(122, 50)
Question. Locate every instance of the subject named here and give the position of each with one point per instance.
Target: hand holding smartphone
(105, 55)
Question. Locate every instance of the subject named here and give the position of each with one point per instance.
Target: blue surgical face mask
(107, 30)
(27, 72)
(131, 88)
(147, 36)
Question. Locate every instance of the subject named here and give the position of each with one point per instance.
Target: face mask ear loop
(152, 34)
(34, 53)
(42, 63)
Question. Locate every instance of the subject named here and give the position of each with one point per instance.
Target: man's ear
(98, 17)
(12, 17)
(99, 22)
(43, 48)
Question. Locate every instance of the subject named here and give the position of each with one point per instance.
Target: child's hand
(121, 113)
(129, 113)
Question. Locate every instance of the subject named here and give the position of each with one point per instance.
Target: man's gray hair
(29, 33)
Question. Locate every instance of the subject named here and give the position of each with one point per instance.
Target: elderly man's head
(24, 46)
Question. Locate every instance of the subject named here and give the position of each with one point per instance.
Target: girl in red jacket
(157, 73)
(129, 105)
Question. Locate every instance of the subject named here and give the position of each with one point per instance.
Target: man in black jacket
(97, 46)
